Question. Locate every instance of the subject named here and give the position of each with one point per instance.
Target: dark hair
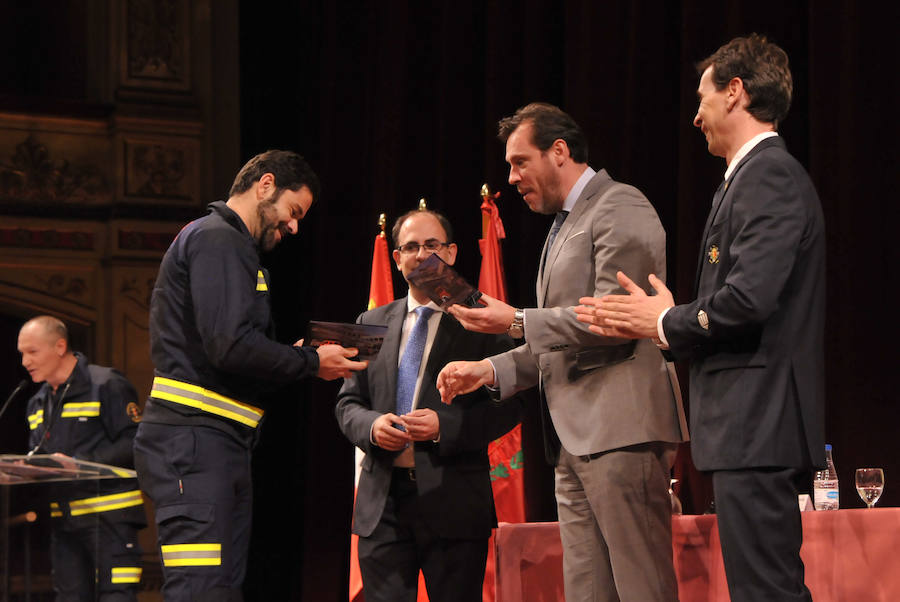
(440, 217)
(549, 123)
(763, 67)
(291, 172)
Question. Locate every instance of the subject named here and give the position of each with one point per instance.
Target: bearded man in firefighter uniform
(214, 353)
(86, 412)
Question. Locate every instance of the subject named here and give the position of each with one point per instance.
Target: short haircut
(763, 68)
(549, 123)
(54, 328)
(291, 172)
(440, 217)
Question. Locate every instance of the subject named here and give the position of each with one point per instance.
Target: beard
(268, 224)
(552, 198)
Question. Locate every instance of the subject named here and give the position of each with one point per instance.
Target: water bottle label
(832, 495)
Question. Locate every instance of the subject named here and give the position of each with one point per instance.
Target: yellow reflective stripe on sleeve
(192, 554)
(105, 503)
(206, 400)
(55, 511)
(261, 281)
(126, 574)
(36, 419)
(77, 409)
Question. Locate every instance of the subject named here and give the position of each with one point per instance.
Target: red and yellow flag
(381, 287)
(505, 453)
(381, 292)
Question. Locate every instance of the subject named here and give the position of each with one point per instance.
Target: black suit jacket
(757, 368)
(452, 475)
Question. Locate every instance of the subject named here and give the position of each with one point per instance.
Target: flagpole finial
(422, 204)
(382, 220)
(486, 193)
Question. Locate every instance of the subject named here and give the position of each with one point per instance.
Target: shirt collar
(578, 188)
(412, 304)
(742, 152)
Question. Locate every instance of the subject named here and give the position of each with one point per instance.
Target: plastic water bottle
(826, 495)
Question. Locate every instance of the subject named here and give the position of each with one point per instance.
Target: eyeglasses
(431, 245)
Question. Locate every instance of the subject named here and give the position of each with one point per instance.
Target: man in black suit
(754, 333)
(424, 499)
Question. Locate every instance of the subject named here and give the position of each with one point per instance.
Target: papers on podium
(44, 468)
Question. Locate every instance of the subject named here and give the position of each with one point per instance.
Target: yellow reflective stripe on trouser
(105, 503)
(126, 574)
(192, 554)
(55, 511)
(206, 400)
(75, 409)
(261, 281)
(36, 419)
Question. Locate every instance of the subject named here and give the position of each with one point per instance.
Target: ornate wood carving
(156, 53)
(133, 240)
(138, 289)
(34, 173)
(33, 238)
(161, 169)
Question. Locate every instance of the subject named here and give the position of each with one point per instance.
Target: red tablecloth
(849, 555)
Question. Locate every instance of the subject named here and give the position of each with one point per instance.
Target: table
(849, 555)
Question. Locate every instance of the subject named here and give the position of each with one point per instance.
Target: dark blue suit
(754, 336)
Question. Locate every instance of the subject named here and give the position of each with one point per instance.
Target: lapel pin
(703, 319)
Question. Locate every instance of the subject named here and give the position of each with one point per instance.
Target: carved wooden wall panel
(156, 53)
(52, 160)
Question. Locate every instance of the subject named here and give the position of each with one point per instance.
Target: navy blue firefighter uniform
(92, 416)
(213, 348)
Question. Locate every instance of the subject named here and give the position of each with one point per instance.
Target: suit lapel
(387, 360)
(589, 195)
(440, 350)
(717, 202)
(719, 199)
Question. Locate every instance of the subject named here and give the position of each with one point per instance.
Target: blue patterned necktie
(408, 372)
(554, 230)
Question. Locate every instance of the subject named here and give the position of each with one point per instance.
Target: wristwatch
(517, 329)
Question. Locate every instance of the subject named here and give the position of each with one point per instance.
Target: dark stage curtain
(393, 101)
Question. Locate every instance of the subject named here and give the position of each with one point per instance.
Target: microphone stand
(12, 396)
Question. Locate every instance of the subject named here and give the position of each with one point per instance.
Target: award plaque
(443, 284)
(365, 337)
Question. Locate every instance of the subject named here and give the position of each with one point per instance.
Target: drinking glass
(869, 484)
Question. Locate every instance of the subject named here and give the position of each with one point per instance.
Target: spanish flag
(381, 292)
(381, 287)
(505, 453)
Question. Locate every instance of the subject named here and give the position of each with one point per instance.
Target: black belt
(590, 457)
(405, 474)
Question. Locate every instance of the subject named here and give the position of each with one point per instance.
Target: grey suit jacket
(602, 393)
(452, 475)
(758, 367)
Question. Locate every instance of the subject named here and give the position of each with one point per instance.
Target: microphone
(12, 395)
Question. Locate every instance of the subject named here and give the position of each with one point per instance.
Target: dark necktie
(408, 372)
(554, 230)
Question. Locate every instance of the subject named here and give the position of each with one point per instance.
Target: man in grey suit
(424, 499)
(754, 332)
(612, 406)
